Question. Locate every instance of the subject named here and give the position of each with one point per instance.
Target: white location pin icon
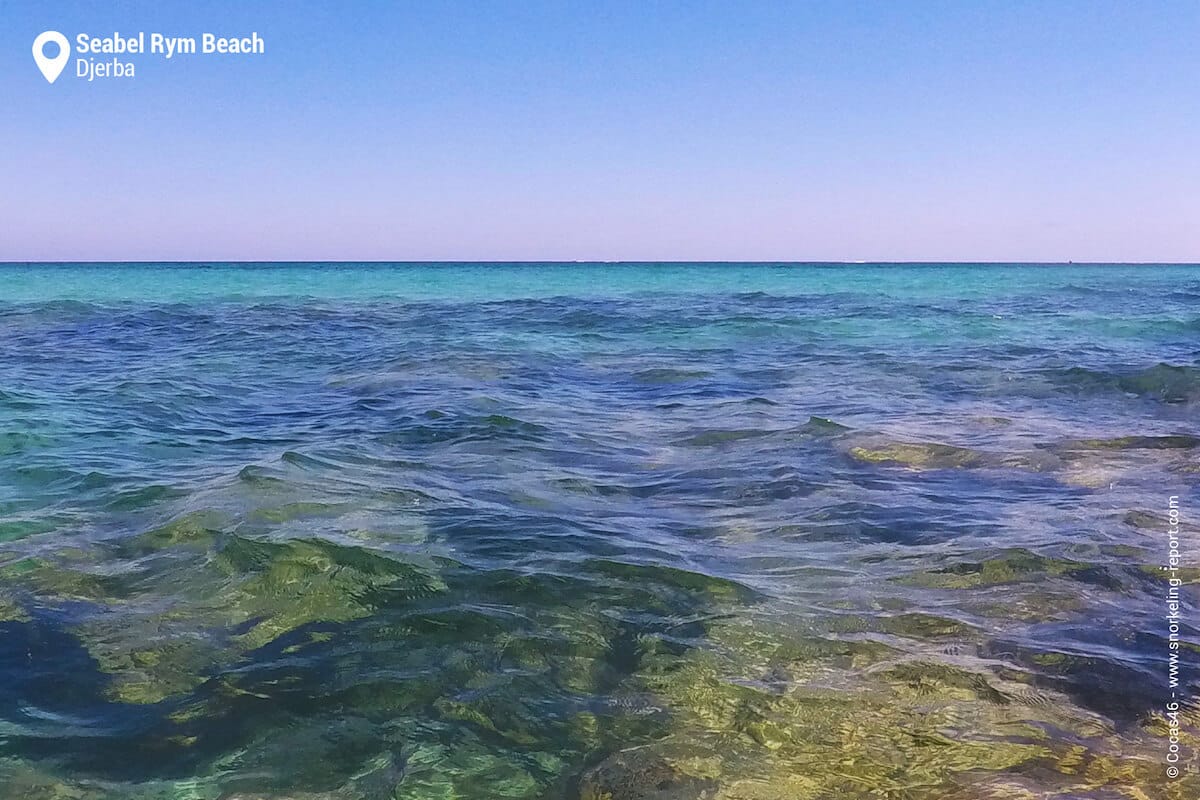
(51, 67)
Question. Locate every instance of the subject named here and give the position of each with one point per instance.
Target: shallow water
(595, 531)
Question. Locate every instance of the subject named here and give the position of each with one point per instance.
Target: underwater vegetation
(822, 541)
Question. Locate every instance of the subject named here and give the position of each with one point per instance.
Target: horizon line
(434, 262)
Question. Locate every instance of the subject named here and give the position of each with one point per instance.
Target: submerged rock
(919, 455)
(283, 586)
(11, 610)
(1010, 566)
(642, 775)
(1145, 520)
(469, 769)
(203, 598)
(147, 667)
(1170, 442)
(823, 426)
(67, 581)
(198, 529)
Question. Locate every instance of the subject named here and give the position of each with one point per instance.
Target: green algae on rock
(198, 529)
(282, 586)
(11, 610)
(68, 579)
(235, 591)
(1010, 566)
(1168, 442)
(919, 455)
(642, 775)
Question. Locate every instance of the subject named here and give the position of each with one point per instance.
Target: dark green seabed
(596, 532)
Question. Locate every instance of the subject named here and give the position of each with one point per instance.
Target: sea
(599, 531)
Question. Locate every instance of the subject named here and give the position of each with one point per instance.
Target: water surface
(594, 531)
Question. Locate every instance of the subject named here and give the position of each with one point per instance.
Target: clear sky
(611, 130)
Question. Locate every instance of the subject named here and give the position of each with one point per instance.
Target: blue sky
(714, 131)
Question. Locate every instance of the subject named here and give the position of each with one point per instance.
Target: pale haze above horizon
(816, 131)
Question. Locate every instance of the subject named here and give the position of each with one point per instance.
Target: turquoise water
(595, 531)
(509, 281)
